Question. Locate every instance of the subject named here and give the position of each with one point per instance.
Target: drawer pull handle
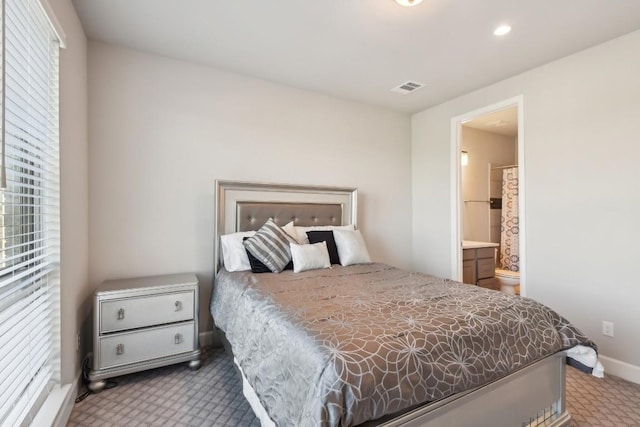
(178, 338)
(178, 306)
(121, 314)
(120, 349)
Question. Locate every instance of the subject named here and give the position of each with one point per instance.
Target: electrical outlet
(77, 341)
(607, 328)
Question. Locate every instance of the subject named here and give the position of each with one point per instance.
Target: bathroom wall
(483, 148)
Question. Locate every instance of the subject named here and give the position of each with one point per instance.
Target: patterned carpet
(212, 396)
(171, 396)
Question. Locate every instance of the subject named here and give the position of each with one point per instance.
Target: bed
(370, 344)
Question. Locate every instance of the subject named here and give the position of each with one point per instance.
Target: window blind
(29, 212)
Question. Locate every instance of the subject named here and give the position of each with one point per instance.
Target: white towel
(588, 357)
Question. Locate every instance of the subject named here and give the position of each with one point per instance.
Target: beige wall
(483, 148)
(581, 154)
(74, 208)
(161, 132)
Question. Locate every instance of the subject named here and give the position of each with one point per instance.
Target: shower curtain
(509, 224)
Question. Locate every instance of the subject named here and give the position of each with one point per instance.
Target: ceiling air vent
(407, 87)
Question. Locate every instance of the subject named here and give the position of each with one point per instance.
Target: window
(29, 211)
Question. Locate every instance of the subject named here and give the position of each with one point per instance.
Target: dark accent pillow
(325, 236)
(259, 267)
(270, 245)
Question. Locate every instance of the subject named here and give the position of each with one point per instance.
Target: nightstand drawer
(131, 313)
(486, 268)
(143, 345)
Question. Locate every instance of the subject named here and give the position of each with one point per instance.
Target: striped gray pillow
(270, 245)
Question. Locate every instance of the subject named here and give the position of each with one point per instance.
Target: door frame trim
(456, 191)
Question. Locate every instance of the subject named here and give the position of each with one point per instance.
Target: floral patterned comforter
(341, 346)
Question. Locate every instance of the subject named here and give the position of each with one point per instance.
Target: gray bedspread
(341, 346)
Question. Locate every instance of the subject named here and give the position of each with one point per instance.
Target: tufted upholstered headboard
(243, 206)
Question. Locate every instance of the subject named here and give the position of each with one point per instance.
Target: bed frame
(531, 396)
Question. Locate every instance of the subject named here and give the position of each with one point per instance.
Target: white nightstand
(144, 323)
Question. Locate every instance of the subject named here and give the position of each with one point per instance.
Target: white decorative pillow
(310, 257)
(270, 246)
(290, 229)
(301, 232)
(351, 247)
(234, 255)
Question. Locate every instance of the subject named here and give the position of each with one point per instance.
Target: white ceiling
(503, 122)
(360, 49)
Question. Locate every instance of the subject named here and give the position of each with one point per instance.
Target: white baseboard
(70, 399)
(621, 369)
(56, 410)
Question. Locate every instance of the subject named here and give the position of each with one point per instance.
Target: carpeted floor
(171, 396)
(212, 396)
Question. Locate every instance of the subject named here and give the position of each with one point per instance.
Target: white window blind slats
(12, 253)
(25, 177)
(39, 385)
(19, 52)
(32, 187)
(17, 289)
(14, 261)
(29, 266)
(47, 184)
(24, 22)
(18, 48)
(13, 73)
(24, 299)
(21, 370)
(35, 315)
(37, 57)
(25, 128)
(19, 109)
(23, 247)
(34, 109)
(29, 211)
(38, 183)
(17, 129)
(16, 55)
(16, 196)
(32, 137)
(23, 160)
(23, 165)
(27, 187)
(24, 118)
(16, 87)
(17, 373)
(19, 367)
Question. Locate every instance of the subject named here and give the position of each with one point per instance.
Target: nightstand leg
(194, 365)
(97, 386)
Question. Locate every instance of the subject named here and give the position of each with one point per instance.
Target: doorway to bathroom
(487, 158)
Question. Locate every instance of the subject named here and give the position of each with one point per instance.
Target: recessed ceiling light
(502, 30)
(408, 2)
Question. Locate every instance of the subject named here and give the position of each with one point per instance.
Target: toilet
(509, 281)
